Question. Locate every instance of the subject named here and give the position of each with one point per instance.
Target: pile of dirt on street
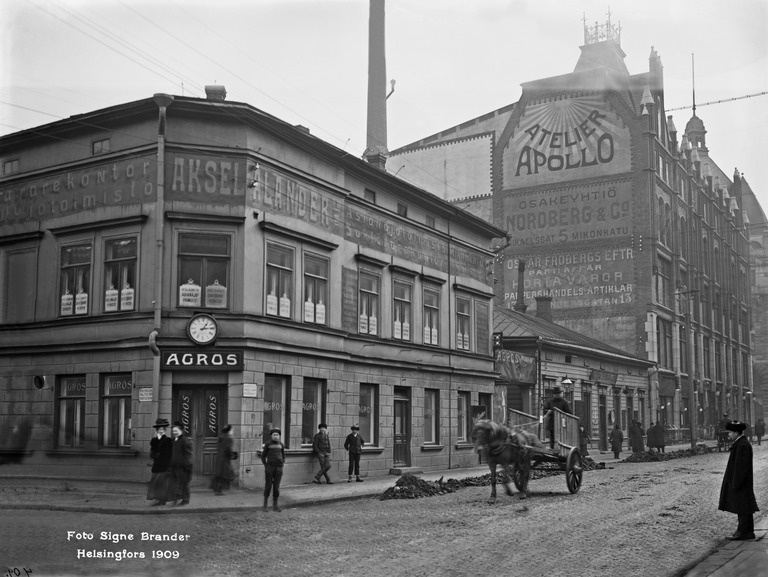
(412, 487)
(649, 456)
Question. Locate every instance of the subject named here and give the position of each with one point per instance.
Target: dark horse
(502, 447)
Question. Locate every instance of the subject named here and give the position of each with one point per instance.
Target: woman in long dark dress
(160, 450)
(224, 472)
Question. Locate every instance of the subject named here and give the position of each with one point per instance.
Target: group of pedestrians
(171, 465)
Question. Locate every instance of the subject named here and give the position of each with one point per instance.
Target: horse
(503, 447)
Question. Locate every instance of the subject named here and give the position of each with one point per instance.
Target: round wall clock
(203, 329)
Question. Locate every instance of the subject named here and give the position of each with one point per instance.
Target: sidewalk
(729, 559)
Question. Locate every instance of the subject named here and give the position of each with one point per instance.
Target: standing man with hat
(556, 402)
(321, 445)
(160, 451)
(737, 493)
(354, 444)
(181, 464)
(273, 458)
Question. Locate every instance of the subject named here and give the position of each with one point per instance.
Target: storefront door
(402, 453)
(201, 409)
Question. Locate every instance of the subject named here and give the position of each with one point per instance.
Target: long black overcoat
(737, 494)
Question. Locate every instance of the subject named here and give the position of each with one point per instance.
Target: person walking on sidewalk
(661, 441)
(760, 430)
(224, 472)
(273, 458)
(160, 451)
(354, 444)
(181, 465)
(321, 445)
(737, 493)
(616, 438)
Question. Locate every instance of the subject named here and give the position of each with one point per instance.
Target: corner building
(631, 228)
(202, 261)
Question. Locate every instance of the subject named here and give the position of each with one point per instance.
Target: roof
(515, 324)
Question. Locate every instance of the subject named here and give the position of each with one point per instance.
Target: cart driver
(556, 402)
(724, 422)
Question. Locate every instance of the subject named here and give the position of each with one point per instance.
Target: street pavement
(727, 559)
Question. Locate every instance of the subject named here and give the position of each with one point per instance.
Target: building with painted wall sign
(630, 227)
(202, 261)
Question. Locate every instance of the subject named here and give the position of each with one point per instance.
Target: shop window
(368, 413)
(100, 146)
(75, 278)
(401, 310)
(71, 412)
(279, 280)
(116, 403)
(463, 323)
(369, 303)
(120, 275)
(315, 289)
(203, 270)
(463, 417)
(431, 416)
(431, 317)
(276, 406)
(312, 409)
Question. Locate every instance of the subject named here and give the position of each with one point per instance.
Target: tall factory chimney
(376, 142)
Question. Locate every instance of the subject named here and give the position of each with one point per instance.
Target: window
(463, 323)
(684, 349)
(463, 416)
(71, 412)
(707, 359)
(119, 275)
(664, 337)
(401, 311)
(279, 280)
(10, 166)
(431, 416)
(203, 266)
(430, 221)
(369, 304)
(20, 285)
(312, 409)
(718, 362)
(431, 317)
(402, 210)
(116, 402)
(663, 283)
(370, 196)
(75, 279)
(368, 414)
(276, 406)
(315, 289)
(100, 146)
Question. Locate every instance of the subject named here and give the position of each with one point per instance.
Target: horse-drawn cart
(723, 440)
(565, 454)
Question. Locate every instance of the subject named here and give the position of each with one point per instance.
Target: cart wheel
(522, 474)
(573, 471)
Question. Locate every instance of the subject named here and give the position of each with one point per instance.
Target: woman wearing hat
(354, 444)
(737, 494)
(160, 451)
(224, 472)
(273, 458)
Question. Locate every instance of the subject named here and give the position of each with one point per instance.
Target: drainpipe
(163, 101)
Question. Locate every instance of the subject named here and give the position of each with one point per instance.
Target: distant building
(639, 238)
(202, 261)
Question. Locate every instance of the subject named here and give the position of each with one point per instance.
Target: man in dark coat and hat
(556, 402)
(354, 444)
(160, 451)
(737, 494)
(181, 465)
(224, 471)
(321, 445)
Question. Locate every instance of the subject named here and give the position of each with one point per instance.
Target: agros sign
(217, 360)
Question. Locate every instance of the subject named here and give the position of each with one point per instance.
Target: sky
(305, 61)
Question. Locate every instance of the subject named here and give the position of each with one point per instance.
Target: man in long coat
(737, 494)
(181, 464)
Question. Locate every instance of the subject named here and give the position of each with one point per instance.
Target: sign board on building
(251, 390)
(202, 359)
(145, 394)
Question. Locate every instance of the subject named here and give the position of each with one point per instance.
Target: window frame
(76, 269)
(277, 305)
(313, 315)
(123, 293)
(10, 166)
(463, 340)
(318, 413)
(283, 410)
(124, 407)
(369, 426)
(63, 413)
(402, 309)
(463, 416)
(364, 321)
(98, 146)
(206, 260)
(431, 416)
(430, 314)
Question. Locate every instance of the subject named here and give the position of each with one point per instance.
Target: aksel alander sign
(208, 359)
(563, 139)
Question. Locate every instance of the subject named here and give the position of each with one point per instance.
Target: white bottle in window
(320, 313)
(110, 299)
(398, 332)
(309, 311)
(67, 302)
(285, 306)
(373, 325)
(272, 303)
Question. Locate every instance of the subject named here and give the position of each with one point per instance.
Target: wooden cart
(565, 455)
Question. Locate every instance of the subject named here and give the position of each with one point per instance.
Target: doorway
(202, 409)
(603, 418)
(402, 447)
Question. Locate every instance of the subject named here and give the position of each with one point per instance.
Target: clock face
(203, 329)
